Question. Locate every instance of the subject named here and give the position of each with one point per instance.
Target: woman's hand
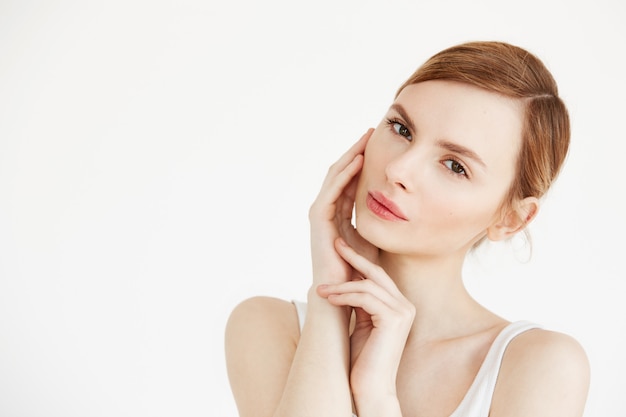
(383, 320)
(318, 380)
(330, 217)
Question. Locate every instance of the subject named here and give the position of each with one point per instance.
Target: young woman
(472, 141)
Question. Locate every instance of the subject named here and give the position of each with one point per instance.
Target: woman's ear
(515, 218)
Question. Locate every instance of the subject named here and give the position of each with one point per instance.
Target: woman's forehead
(488, 123)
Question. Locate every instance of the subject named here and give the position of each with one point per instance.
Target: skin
(390, 329)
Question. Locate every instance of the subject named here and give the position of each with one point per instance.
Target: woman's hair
(513, 72)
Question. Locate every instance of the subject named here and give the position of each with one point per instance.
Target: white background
(158, 158)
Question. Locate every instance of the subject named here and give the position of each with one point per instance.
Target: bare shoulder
(260, 322)
(260, 341)
(259, 315)
(543, 373)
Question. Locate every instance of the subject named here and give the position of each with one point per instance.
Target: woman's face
(437, 168)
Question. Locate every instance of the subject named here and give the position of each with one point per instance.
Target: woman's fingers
(351, 290)
(346, 162)
(356, 149)
(327, 205)
(356, 296)
(373, 299)
(349, 156)
(366, 268)
(338, 179)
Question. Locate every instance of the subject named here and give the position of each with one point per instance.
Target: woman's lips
(383, 207)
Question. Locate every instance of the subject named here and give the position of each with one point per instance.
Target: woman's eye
(455, 166)
(402, 130)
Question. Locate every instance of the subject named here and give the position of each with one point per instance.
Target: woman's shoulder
(543, 372)
(546, 349)
(263, 315)
(260, 341)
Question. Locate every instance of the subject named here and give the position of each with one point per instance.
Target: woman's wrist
(318, 305)
(377, 405)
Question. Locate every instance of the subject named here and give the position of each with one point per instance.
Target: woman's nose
(403, 169)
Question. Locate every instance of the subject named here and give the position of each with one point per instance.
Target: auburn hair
(513, 72)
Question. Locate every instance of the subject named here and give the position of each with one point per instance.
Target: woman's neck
(444, 308)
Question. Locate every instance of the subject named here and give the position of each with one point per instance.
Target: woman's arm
(311, 376)
(543, 373)
(274, 371)
(260, 342)
(383, 319)
(318, 382)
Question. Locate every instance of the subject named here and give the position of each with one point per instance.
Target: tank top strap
(301, 311)
(477, 400)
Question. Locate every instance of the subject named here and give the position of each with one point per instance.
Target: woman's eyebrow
(446, 144)
(400, 110)
(461, 150)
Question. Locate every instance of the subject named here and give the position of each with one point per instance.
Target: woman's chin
(369, 232)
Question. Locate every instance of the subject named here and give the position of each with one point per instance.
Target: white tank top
(477, 400)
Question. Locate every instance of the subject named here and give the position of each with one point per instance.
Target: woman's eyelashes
(455, 167)
(399, 128)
